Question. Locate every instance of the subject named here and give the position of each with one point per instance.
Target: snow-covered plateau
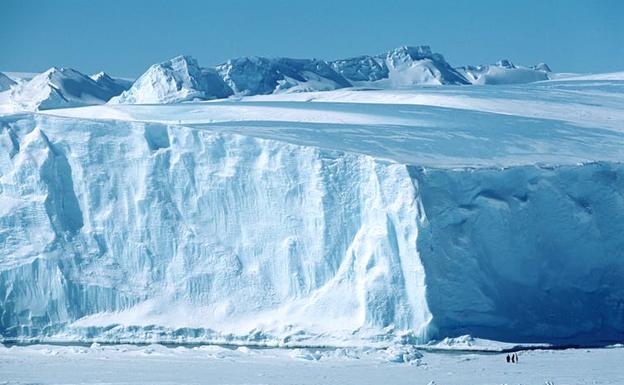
(339, 218)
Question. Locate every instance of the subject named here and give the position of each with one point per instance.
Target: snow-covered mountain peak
(408, 53)
(505, 72)
(58, 87)
(112, 85)
(5, 82)
(100, 76)
(254, 75)
(175, 80)
(182, 78)
(542, 67)
(183, 64)
(401, 67)
(505, 63)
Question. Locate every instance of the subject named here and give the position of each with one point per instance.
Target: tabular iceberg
(284, 222)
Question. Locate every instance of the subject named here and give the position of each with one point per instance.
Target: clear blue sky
(125, 37)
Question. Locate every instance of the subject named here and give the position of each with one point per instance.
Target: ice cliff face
(241, 235)
(141, 231)
(530, 252)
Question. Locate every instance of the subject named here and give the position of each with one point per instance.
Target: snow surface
(156, 364)
(366, 218)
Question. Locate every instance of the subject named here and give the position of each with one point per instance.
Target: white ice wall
(143, 224)
(135, 231)
(525, 253)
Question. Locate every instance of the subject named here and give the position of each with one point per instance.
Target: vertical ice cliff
(526, 253)
(141, 231)
(201, 234)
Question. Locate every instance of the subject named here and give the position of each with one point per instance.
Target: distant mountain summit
(182, 79)
(5, 82)
(113, 86)
(505, 72)
(61, 88)
(58, 88)
(176, 80)
(400, 67)
(258, 75)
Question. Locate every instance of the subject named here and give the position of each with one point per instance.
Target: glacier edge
(184, 228)
(128, 231)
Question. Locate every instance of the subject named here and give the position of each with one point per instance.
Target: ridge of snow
(258, 75)
(176, 80)
(6, 82)
(505, 72)
(182, 79)
(113, 85)
(399, 68)
(58, 88)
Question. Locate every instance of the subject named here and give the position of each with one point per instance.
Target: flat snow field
(156, 364)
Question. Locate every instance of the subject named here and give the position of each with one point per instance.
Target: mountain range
(183, 79)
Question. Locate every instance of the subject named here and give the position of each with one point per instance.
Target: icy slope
(505, 72)
(58, 88)
(176, 80)
(5, 82)
(400, 68)
(283, 222)
(257, 75)
(181, 79)
(113, 86)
